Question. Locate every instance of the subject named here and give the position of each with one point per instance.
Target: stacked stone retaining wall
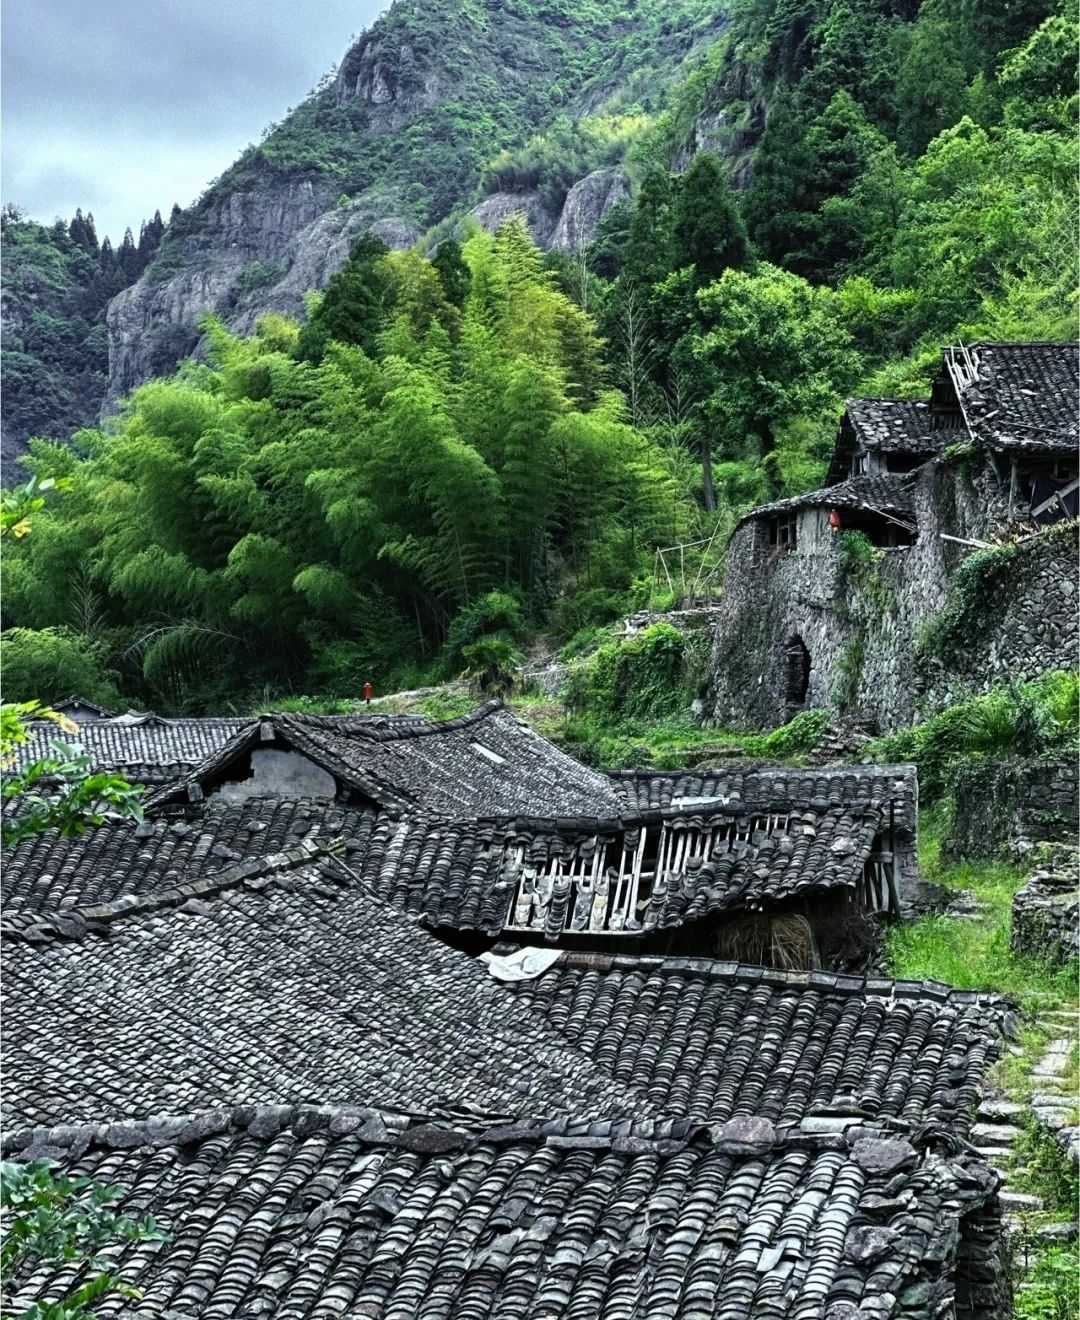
(1046, 913)
(1009, 806)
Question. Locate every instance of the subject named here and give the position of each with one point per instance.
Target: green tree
(353, 306)
(52, 1219)
(774, 348)
(649, 252)
(452, 271)
(932, 84)
(707, 229)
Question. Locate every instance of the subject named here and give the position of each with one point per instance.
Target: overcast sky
(126, 107)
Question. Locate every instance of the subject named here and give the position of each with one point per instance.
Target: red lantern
(834, 519)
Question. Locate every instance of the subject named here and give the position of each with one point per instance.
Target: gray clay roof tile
(282, 987)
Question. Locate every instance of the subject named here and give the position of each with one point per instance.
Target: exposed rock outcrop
(587, 202)
(393, 82)
(574, 227)
(493, 210)
(396, 129)
(295, 233)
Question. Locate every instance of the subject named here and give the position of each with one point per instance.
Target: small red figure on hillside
(369, 692)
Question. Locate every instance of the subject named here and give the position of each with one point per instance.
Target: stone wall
(280, 773)
(1010, 612)
(1046, 912)
(874, 652)
(1012, 805)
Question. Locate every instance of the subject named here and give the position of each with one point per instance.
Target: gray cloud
(126, 108)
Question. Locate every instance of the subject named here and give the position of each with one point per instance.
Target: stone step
(1055, 1116)
(998, 1111)
(995, 1157)
(1020, 1201)
(994, 1134)
(1063, 1232)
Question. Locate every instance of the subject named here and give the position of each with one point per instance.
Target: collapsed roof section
(484, 763)
(276, 981)
(625, 877)
(685, 847)
(1012, 397)
(305, 1212)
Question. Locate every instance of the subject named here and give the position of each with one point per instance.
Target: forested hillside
(58, 281)
(472, 440)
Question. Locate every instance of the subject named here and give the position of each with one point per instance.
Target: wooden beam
(965, 540)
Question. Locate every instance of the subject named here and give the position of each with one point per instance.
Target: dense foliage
(57, 284)
(1020, 719)
(915, 183)
(51, 1219)
(325, 503)
(303, 509)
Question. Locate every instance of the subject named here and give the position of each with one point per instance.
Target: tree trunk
(706, 472)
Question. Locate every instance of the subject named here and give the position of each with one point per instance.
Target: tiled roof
(147, 748)
(783, 788)
(885, 493)
(277, 982)
(305, 1213)
(79, 705)
(894, 426)
(47, 873)
(1018, 396)
(152, 749)
(711, 1040)
(485, 763)
(455, 872)
(885, 426)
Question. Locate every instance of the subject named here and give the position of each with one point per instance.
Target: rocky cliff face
(419, 105)
(569, 228)
(255, 251)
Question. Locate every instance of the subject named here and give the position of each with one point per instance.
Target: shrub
(1018, 719)
(642, 678)
(800, 735)
(1051, 1288)
(497, 614)
(256, 275)
(493, 665)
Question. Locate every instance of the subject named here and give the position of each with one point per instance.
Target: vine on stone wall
(860, 570)
(982, 591)
(849, 667)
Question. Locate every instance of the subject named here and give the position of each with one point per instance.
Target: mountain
(58, 281)
(430, 110)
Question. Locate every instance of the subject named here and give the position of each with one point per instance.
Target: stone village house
(804, 622)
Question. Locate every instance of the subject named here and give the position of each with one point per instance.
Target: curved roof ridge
(834, 982)
(86, 918)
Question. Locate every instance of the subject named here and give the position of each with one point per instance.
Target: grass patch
(448, 705)
(1043, 1168)
(1050, 1286)
(1012, 1072)
(671, 743)
(975, 954)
